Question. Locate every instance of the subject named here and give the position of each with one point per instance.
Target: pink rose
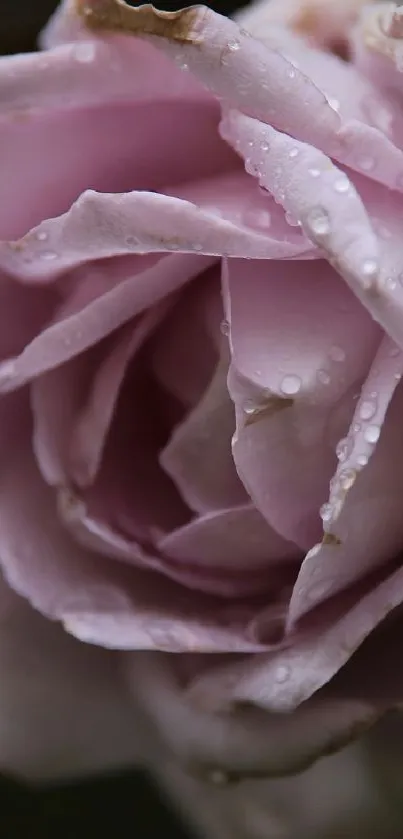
(201, 332)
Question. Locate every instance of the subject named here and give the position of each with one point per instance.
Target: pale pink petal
(300, 345)
(246, 743)
(73, 405)
(377, 46)
(235, 539)
(362, 519)
(280, 681)
(198, 455)
(110, 146)
(222, 579)
(183, 353)
(321, 22)
(85, 325)
(354, 221)
(64, 710)
(101, 225)
(314, 190)
(231, 63)
(100, 601)
(257, 79)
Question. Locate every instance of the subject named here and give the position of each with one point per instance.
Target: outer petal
(300, 345)
(362, 521)
(339, 217)
(249, 75)
(245, 743)
(63, 708)
(282, 680)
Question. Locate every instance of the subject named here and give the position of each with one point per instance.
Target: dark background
(126, 805)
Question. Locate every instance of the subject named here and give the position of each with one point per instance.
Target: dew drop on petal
(369, 271)
(362, 460)
(314, 173)
(323, 377)
(366, 164)
(293, 153)
(290, 385)
(233, 45)
(318, 221)
(264, 145)
(343, 449)
(342, 184)
(250, 407)
(258, 218)
(85, 52)
(48, 256)
(372, 433)
(42, 236)
(337, 354)
(367, 409)
(225, 327)
(282, 673)
(326, 512)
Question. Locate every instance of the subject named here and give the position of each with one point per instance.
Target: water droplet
(366, 164)
(197, 246)
(342, 184)
(323, 377)
(367, 409)
(290, 385)
(131, 241)
(42, 236)
(264, 145)
(346, 479)
(291, 73)
(293, 153)
(250, 407)
(314, 173)
(326, 512)
(318, 221)
(225, 327)
(258, 218)
(369, 270)
(291, 220)
(48, 255)
(343, 449)
(337, 354)
(84, 53)
(362, 460)
(183, 65)
(390, 283)
(334, 103)
(372, 433)
(283, 673)
(233, 45)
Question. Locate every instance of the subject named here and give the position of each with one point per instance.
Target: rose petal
(232, 540)
(86, 325)
(257, 79)
(248, 742)
(99, 601)
(198, 456)
(48, 677)
(281, 681)
(362, 520)
(299, 342)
